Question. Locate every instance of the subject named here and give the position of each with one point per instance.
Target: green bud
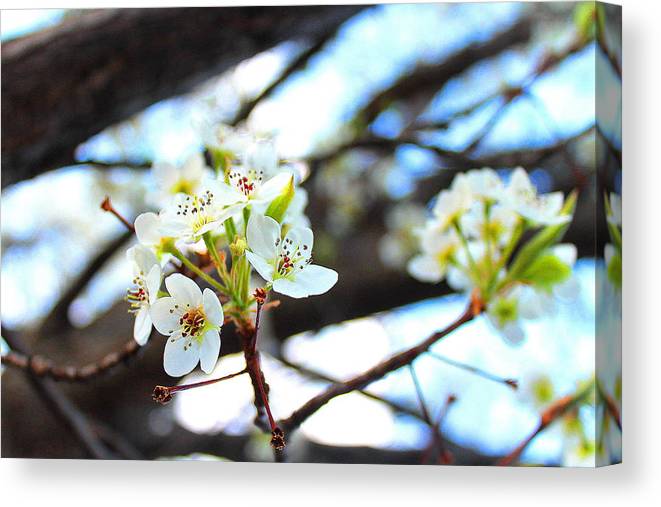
(279, 205)
(238, 246)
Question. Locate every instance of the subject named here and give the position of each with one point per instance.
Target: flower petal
(142, 326)
(310, 281)
(262, 266)
(303, 238)
(262, 234)
(212, 308)
(184, 290)
(180, 356)
(153, 281)
(165, 316)
(271, 188)
(147, 228)
(426, 269)
(290, 288)
(209, 350)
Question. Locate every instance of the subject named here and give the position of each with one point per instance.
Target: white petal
(316, 279)
(262, 266)
(193, 167)
(153, 281)
(271, 188)
(178, 359)
(513, 333)
(426, 269)
(212, 308)
(142, 326)
(143, 259)
(224, 194)
(303, 238)
(209, 350)
(262, 234)
(165, 320)
(290, 288)
(184, 290)
(147, 228)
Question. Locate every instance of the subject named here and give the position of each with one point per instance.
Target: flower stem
(210, 280)
(221, 268)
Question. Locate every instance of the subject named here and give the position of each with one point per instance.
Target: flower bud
(238, 246)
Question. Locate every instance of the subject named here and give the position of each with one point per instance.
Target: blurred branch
(98, 76)
(428, 79)
(57, 320)
(611, 405)
(62, 407)
(375, 373)
(40, 366)
(299, 63)
(554, 412)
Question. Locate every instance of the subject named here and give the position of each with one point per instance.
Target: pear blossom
(485, 184)
(286, 263)
(438, 250)
(521, 196)
(192, 320)
(190, 216)
(187, 178)
(147, 280)
(453, 202)
(494, 226)
(246, 185)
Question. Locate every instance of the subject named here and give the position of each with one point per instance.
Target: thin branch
(304, 370)
(554, 412)
(106, 205)
(512, 383)
(63, 408)
(611, 405)
(44, 367)
(375, 373)
(163, 394)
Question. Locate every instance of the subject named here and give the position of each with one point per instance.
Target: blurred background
(382, 105)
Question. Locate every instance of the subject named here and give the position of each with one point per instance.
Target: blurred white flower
(192, 321)
(186, 178)
(286, 263)
(438, 250)
(521, 196)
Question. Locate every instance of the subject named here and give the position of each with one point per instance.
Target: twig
(106, 205)
(437, 440)
(321, 376)
(554, 412)
(513, 383)
(445, 455)
(610, 404)
(44, 367)
(163, 394)
(377, 372)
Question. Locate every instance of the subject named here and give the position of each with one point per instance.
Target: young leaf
(546, 271)
(279, 205)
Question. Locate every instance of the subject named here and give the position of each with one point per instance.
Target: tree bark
(65, 84)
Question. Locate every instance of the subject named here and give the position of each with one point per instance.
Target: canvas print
(383, 234)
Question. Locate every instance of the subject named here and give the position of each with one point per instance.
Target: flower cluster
(245, 211)
(473, 240)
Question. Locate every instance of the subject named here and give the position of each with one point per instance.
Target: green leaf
(614, 270)
(541, 241)
(546, 271)
(279, 205)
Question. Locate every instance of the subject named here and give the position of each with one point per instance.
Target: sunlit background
(363, 202)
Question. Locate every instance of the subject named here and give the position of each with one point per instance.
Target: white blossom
(286, 262)
(147, 281)
(521, 196)
(186, 178)
(192, 320)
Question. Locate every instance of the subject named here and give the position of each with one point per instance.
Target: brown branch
(554, 412)
(308, 372)
(106, 205)
(62, 407)
(97, 76)
(430, 78)
(375, 373)
(41, 367)
(163, 394)
(611, 405)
